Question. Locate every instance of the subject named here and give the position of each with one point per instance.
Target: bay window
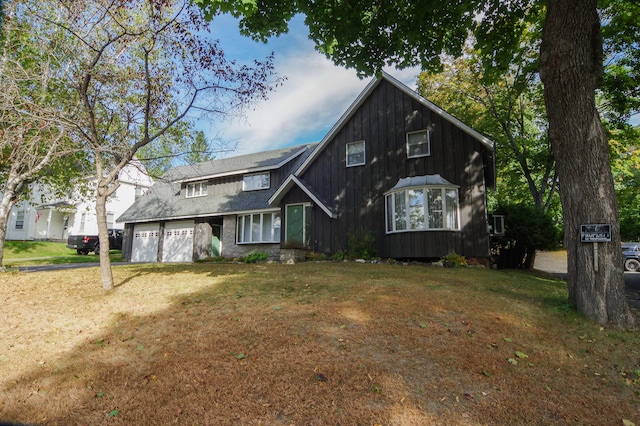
(422, 208)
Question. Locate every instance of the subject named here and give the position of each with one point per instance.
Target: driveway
(555, 263)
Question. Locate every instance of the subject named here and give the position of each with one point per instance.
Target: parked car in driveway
(83, 244)
(631, 253)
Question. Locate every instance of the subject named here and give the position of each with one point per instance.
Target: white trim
(428, 132)
(293, 180)
(201, 193)
(364, 153)
(389, 195)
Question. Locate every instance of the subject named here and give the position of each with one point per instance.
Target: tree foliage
(510, 110)
(527, 229)
(137, 69)
(34, 140)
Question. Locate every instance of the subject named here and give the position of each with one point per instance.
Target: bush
(339, 255)
(312, 256)
(454, 259)
(256, 256)
(361, 245)
(527, 229)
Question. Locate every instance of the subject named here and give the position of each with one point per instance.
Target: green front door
(295, 224)
(215, 240)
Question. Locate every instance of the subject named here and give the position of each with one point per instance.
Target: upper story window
(256, 181)
(418, 144)
(20, 219)
(355, 154)
(196, 189)
(83, 220)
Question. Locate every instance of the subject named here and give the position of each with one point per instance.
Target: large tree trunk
(571, 70)
(103, 236)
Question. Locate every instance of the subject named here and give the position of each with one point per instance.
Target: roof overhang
(421, 181)
(292, 181)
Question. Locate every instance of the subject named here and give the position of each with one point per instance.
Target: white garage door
(145, 242)
(178, 241)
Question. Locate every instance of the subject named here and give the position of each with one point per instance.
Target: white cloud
(311, 100)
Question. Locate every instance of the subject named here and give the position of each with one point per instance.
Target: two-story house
(395, 166)
(46, 216)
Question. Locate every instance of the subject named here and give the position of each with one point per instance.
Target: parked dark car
(83, 244)
(631, 253)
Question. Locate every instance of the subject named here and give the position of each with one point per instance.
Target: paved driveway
(555, 263)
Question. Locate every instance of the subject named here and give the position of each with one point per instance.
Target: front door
(294, 232)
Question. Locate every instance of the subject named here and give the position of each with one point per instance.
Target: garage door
(145, 242)
(178, 241)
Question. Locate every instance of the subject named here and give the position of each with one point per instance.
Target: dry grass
(307, 344)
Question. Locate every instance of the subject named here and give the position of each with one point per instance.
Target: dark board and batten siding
(357, 193)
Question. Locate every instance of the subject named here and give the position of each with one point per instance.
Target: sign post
(595, 233)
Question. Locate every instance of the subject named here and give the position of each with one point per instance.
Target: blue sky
(305, 107)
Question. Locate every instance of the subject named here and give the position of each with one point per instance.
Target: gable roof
(486, 142)
(241, 164)
(163, 200)
(294, 180)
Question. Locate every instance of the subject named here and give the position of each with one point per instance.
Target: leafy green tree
(137, 69)
(510, 110)
(369, 35)
(34, 142)
(625, 163)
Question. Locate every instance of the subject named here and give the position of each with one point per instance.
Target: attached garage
(178, 241)
(145, 242)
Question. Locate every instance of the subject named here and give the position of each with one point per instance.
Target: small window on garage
(355, 154)
(256, 181)
(197, 189)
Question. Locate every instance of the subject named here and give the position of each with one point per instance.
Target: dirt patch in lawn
(307, 344)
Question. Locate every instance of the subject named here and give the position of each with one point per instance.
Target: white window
(355, 154)
(197, 189)
(423, 208)
(418, 144)
(259, 228)
(138, 192)
(83, 220)
(256, 181)
(20, 219)
(110, 220)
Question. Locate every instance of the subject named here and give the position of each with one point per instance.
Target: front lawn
(308, 344)
(27, 253)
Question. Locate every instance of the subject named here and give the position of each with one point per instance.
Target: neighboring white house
(46, 217)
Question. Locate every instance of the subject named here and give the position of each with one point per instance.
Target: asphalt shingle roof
(164, 201)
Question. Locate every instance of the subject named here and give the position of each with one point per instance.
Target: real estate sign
(595, 233)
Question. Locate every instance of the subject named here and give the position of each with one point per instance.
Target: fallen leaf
(521, 355)
(321, 377)
(513, 361)
(626, 422)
